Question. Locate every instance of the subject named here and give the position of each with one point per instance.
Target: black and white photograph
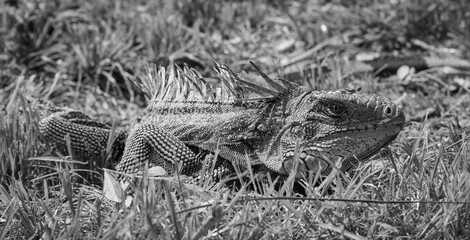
(219, 119)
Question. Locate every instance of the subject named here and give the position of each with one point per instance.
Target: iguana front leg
(148, 142)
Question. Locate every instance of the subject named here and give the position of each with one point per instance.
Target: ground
(87, 54)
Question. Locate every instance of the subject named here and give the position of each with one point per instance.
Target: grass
(86, 55)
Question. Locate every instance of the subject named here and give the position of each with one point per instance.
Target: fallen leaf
(112, 188)
(404, 72)
(157, 171)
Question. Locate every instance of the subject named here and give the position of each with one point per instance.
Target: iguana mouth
(387, 130)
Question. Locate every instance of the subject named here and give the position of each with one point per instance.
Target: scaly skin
(180, 129)
(88, 138)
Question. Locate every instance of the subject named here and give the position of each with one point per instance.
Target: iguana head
(322, 127)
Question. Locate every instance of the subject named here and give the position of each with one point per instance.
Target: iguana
(270, 125)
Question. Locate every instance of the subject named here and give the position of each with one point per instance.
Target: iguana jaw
(369, 153)
(317, 155)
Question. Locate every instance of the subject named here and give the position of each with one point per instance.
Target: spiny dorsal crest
(185, 84)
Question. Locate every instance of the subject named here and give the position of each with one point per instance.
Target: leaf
(157, 171)
(128, 201)
(404, 72)
(112, 188)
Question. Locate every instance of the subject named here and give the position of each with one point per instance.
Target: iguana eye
(335, 110)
